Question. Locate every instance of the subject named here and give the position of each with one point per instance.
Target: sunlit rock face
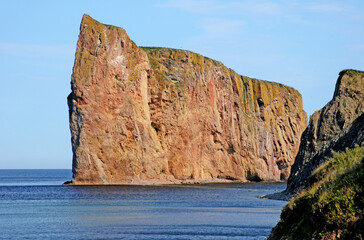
(143, 115)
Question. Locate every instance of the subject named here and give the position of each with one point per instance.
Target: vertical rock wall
(157, 115)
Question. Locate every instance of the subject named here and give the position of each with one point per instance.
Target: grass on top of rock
(331, 206)
(352, 72)
(151, 48)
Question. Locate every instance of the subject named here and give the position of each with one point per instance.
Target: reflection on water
(213, 211)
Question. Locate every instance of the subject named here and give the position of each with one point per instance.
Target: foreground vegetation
(331, 206)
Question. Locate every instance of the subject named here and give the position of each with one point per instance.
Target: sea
(35, 205)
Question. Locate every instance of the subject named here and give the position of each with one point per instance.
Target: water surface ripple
(34, 205)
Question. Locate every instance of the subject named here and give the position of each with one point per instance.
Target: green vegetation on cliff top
(352, 72)
(150, 50)
(331, 207)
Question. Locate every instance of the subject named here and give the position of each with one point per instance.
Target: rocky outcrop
(337, 126)
(157, 115)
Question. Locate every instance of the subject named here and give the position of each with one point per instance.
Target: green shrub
(332, 206)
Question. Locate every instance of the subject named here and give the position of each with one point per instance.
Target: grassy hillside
(331, 206)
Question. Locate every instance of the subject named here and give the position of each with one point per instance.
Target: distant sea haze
(34, 177)
(35, 205)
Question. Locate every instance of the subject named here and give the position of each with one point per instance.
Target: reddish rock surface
(157, 115)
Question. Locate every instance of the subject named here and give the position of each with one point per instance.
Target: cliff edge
(337, 126)
(141, 115)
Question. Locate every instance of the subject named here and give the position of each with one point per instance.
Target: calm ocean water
(34, 205)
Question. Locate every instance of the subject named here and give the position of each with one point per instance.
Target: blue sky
(303, 44)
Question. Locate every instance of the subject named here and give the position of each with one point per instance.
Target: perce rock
(143, 115)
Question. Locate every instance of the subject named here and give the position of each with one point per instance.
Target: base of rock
(156, 182)
(282, 196)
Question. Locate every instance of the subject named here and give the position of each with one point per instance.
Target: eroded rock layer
(157, 115)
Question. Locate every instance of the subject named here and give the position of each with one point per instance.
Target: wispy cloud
(218, 28)
(264, 7)
(205, 7)
(195, 6)
(326, 7)
(356, 47)
(257, 7)
(37, 50)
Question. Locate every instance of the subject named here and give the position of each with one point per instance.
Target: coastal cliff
(146, 115)
(337, 126)
(328, 186)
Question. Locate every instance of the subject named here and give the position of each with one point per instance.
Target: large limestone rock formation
(338, 125)
(156, 115)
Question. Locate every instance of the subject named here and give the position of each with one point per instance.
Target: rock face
(338, 125)
(157, 115)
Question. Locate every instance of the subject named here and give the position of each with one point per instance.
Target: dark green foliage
(352, 72)
(145, 49)
(331, 207)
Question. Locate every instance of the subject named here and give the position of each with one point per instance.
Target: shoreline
(170, 183)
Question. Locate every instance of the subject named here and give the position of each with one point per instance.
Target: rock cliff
(338, 125)
(142, 115)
